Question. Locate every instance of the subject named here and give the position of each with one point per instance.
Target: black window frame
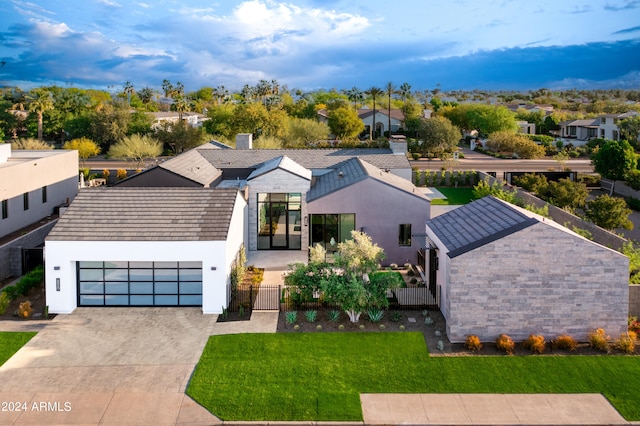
(44, 194)
(25, 201)
(5, 209)
(404, 237)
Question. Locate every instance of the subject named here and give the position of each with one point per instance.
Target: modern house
(145, 247)
(602, 127)
(33, 184)
(381, 117)
(502, 269)
(192, 119)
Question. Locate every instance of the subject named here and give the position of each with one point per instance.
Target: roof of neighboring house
(621, 116)
(355, 170)
(284, 163)
(580, 123)
(478, 223)
(307, 158)
(395, 113)
(147, 214)
(193, 166)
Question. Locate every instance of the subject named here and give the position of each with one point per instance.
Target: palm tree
(355, 95)
(405, 91)
(40, 101)
(145, 94)
(390, 89)
(374, 92)
(128, 90)
(180, 104)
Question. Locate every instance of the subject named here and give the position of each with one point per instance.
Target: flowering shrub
(634, 325)
(505, 344)
(599, 340)
(472, 342)
(121, 174)
(564, 341)
(535, 342)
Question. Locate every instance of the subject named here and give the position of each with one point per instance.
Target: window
(25, 200)
(44, 194)
(404, 236)
(5, 209)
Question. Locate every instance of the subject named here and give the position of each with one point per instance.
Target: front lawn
(11, 342)
(455, 196)
(319, 376)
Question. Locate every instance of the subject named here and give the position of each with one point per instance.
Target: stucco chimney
(244, 141)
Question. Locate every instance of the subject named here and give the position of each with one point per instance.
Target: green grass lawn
(319, 376)
(455, 196)
(11, 342)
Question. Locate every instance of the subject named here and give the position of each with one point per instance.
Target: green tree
(140, 123)
(510, 143)
(303, 132)
(630, 128)
(249, 118)
(390, 90)
(609, 212)
(568, 194)
(40, 101)
(439, 135)
(220, 121)
(86, 148)
(345, 123)
(374, 93)
(180, 137)
(109, 124)
(533, 182)
(486, 119)
(484, 188)
(614, 159)
(136, 148)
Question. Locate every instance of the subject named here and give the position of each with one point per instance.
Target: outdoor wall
(634, 300)
(538, 280)
(276, 181)
(11, 253)
(379, 210)
(65, 254)
(601, 236)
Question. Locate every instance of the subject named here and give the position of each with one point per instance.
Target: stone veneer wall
(11, 253)
(634, 300)
(538, 280)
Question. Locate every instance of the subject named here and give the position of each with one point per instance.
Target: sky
(322, 44)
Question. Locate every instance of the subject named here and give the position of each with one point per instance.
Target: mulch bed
(38, 303)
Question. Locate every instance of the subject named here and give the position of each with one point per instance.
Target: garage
(139, 283)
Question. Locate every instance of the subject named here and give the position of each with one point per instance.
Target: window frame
(404, 235)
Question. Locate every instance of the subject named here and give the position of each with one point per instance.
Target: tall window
(330, 229)
(279, 225)
(44, 194)
(5, 209)
(25, 200)
(404, 236)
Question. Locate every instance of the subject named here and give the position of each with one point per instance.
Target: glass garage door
(139, 283)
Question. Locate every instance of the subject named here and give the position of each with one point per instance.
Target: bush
(633, 203)
(626, 343)
(291, 317)
(472, 342)
(535, 343)
(333, 315)
(599, 340)
(634, 324)
(4, 302)
(25, 310)
(30, 280)
(311, 315)
(375, 315)
(121, 174)
(633, 179)
(564, 341)
(505, 343)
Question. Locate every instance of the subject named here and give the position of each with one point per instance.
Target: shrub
(634, 324)
(401, 328)
(319, 327)
(296, 327)
(564, 341)
(25, 310)
(633, 203)
(505, 343)
(396, 316)
(311, 315)
(333, 315)
(599, 340)
(361, 327)
(11, 292)
(106, 173)
(535, 343)
(382, 327)
(633, 179)
(341, 327)
(121, 174)
(291, 317)
(626, 343)
(472, 342)
(375, 314)
(4, 302)
(30, 280)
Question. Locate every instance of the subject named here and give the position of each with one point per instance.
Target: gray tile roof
(192, 166)
(355, 170)
(478, 223)
(307, 158)
(147, 214)
(282, 162)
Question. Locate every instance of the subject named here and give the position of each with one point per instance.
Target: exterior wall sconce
(57, 284)
(214, 268)
(56, 268)
(306, 220)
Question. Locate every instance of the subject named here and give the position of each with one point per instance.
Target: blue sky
(311, 44)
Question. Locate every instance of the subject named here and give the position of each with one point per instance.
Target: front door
(279, 226)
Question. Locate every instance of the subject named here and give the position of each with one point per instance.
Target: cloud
(628, 30)
(623, 5)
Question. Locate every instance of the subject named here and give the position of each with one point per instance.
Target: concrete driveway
(112, 366)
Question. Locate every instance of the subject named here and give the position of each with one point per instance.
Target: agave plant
(311, 315)
(291, 317)
(375, 314)
(333, 315)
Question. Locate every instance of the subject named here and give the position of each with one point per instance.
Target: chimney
(244, 141)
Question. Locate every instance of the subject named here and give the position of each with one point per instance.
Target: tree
(390, 90)
(302, 132)
(30, 144)
(630, 128)
(439, 135)
(109, 124)
(180, 136)
(136, 148)
(486, 119)
(220, 121)
(146, 95)
(345, 123)
(85, 147)
(128, 90)
(405, 92)
(510, 143)
(609, 212)
(614, 159)
(356, 96)
(40, 101)
(566, 193)
(374, 92)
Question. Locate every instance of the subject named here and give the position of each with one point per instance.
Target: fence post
(251, 297)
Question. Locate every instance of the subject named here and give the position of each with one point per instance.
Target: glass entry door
(279, 226)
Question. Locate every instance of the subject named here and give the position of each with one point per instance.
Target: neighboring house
(382, 120)
(193, 119)
(527, 128)
(502, 269)
(602, 127)
(608, 125)
(145, 247)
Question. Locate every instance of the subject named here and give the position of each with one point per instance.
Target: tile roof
(283, 162)
(478, 223)
(395, 113)
(147, 214)
(355, 170)
(193, 166)
(307, 158)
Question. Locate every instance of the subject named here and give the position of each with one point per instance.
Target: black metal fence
(277, 298)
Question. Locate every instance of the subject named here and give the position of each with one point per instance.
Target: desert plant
(25, 310)
(428, 321)
(472, 342)
(382, 327)
(241, 311)
(393, 266)
(333, 315)
(106, 173)
(599, 340)
(505, 343)
(319, 327)
(396, 316)
(225, 313)
(402, 327)
(296, 327)
(425, 313)
(564, 341)
(375, 315)
(311, 315)
(4, 302)
(535, 342)
(291, 317)
(341, 327)
(361, 327)
(626, 343)
(121, 174)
